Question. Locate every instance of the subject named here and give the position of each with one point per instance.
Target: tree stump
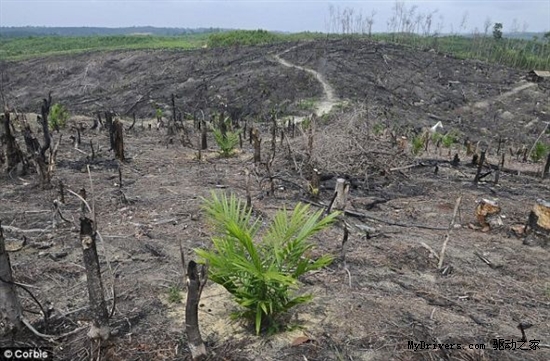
(100, 317)
(539, 219)
(257, 146)
(341, 190)
(10, 307)
(195, 282)
(488, 214)
(118, 139)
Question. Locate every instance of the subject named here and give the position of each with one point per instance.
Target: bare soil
(388, 291)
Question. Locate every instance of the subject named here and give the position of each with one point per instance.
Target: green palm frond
(261, 274)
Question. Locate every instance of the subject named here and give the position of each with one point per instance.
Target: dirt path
(326, 104)
(485, 103)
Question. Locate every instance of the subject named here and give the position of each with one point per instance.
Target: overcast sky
(297, 15)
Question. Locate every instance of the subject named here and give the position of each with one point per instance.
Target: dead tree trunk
(257, 146)
(118, 139)
(195, 283)
(10, 307)
(314, 184)
(479, 166)
(13, 153)
(500, 167)
(173, 99)
(46, 103)
(100, 323)
(546, 167)
(204, 143)
(110, 127)
(97, 122)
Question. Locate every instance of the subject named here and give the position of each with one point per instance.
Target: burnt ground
(393, 292)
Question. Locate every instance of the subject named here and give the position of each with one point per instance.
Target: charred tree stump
(98, 123)
(204, 144)
(479, 167)
(257, 146)
(173, 100)
(10, 307)
(110, 126)
(314, 184)
(13, 153)
(118, 139)
(100, 322)
(133, 122)
(500, 167)
(195, 282)
(546, 167)
(45, 111)
(61, 192)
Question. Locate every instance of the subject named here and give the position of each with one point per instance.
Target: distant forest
(26, 31)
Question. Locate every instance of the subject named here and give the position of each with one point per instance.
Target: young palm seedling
(262, 272)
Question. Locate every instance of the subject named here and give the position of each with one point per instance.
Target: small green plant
(158, 113)
(448, 140)
(262, 274)
(226, 143)
(378, 129)
(436, 137)
(306, 104)
(417, 144)
(539, 151)
(174, 294)
(58, 116)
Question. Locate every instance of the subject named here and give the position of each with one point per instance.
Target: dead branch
(367, 216)
(447, 236)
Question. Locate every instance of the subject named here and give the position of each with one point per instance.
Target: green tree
(262, 274)
(497, 31)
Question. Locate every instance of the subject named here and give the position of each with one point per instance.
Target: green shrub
(539, 152)
(448, 140)
(226, 143)
(58, 116)
(262, 274)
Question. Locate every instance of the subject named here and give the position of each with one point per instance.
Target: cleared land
(393, 292)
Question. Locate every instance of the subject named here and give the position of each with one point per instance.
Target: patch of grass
(448, 140)
(539, 152)
(417, 145)
(22, 48)
(174, 294)
(378, 129)
(262, 272)
(306, 104)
